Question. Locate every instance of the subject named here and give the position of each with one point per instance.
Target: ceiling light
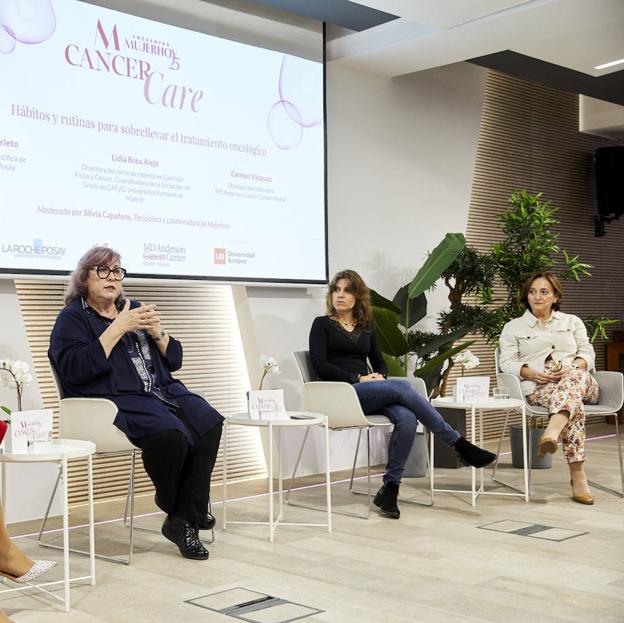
(611, 64)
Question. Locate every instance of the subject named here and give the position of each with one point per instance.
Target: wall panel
(203, 318)
(529, 139)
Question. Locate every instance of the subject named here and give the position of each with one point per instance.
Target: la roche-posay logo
(36, 250)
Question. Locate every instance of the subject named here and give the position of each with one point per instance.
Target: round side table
(59, 451)
(289, 419)
(479, 407)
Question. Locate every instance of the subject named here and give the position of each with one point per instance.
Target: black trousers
(180, 472)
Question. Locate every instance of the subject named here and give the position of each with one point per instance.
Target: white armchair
(339, 402)
(611, 399)
(91, 419)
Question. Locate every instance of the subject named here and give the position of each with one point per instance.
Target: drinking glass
(500, 393)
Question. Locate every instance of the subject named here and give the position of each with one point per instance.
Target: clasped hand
(144, 318)
(373, 376)
(548, 377)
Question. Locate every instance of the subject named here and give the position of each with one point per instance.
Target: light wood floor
(433, 565)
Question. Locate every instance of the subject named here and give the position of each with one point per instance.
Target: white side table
(293, 419)
(59, 451)
(480, 407)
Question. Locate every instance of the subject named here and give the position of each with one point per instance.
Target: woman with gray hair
(104, 345)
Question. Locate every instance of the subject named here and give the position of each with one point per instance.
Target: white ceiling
(576, 34)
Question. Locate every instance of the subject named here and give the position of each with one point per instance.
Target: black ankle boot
(469, 454)
(207, 523)
(379, 496)
(185, 536)
(386, 500)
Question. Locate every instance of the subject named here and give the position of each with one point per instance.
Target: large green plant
(530, 245)
(394, 319)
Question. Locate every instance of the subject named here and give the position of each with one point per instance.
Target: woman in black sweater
(340, 344)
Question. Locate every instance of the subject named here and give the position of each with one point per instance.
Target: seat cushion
(378, 420)
(598, 409)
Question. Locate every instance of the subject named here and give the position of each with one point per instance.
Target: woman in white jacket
(552, 355)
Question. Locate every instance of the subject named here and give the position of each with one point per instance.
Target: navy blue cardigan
(84, 371)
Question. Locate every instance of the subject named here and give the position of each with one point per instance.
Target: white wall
(401, 155)
(28, 486)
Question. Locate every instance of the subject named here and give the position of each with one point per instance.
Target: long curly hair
(362, 310)
(95, 256)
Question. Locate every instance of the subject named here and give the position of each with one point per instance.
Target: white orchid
(467, 360)
(16, 374)
(269, 364)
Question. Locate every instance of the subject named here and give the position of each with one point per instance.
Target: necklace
(349, 325)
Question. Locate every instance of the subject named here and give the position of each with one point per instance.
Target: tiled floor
(433, 565)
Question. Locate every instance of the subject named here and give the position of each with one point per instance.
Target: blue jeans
(404, 407)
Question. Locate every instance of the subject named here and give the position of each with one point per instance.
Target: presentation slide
(192, 155)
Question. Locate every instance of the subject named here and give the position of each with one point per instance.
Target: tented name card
(266, 403)
(472, 389)
(26, 428)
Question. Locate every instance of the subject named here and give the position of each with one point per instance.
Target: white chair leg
(131, 495)
(428, 440)
(368, 471)
(530, 452)
(619, 445)
(296, 467)
(333, 510)
(357, 449)
(45, 517)
(500, 444)
(619, 493)
(123, 561)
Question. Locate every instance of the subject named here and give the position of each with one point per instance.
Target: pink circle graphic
(30, 21)
(7, 40)
(300, 82)
(284, 123)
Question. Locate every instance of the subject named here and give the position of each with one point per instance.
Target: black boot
(379, 496)
(207, 523)
(386, 500)
(469, 454)
(185, 536)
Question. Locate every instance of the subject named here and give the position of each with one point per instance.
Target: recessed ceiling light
(611, 64)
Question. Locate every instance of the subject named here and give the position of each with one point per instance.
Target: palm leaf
(437, 262)
(411, 310)
(391, 340)
(394, 366)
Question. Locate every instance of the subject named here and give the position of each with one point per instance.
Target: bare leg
(12, 560)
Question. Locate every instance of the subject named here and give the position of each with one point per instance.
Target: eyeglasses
(104, 271)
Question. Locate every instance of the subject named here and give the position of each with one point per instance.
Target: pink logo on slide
(25, 21)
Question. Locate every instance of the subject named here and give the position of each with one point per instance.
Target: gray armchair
(611, 399)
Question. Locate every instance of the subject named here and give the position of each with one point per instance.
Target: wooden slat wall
(529, 139)
(203, 318)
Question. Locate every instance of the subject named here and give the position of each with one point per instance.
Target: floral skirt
(575, 388)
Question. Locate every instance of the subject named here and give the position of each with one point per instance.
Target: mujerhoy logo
(120, 56)
(35, 250)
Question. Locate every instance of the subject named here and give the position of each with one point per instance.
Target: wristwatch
(160, 337)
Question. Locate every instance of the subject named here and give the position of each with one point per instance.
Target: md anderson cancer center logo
(36, 250)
